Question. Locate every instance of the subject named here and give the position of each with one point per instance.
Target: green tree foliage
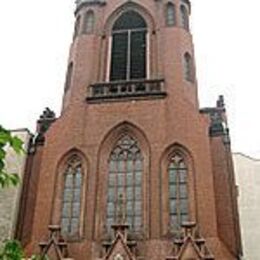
(6, 139)
(12, 250)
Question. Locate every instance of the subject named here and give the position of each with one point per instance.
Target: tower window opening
(69, 76)
(77, 27)
(89, 21)
(170, 14)
(128, 55)
(178, 191)
(184, 17)
(188, 67)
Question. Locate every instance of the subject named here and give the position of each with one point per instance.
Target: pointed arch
(70, 194)
(177, 182)
(129, 6)
(124, 171)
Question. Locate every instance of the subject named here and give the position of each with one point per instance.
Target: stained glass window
(170, 14)
(71, 199)
(128, 58)
(89, 20)
(125, 180)
(178, 191)
(188, 67)
(184, 17)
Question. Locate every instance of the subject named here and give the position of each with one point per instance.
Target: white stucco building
(247, 172)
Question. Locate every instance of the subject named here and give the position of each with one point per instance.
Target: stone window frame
(77, 27)
(69, 76)
(58, 195)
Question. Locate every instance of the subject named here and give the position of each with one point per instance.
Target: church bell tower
(132, 168)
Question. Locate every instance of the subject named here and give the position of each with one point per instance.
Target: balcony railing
(134, 89)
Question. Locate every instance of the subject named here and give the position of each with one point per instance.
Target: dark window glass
(128, 57)
(170, 14)
(178, 191)
(125, 181)
(188, 67)
(77, 27)
(71, 203)
(69, 76)
(184, 17)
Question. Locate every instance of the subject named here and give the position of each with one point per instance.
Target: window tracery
(125, 180)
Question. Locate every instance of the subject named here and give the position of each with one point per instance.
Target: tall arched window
(89, 21)
(71, 198)
(69, 76)
(188, 67)
(170, 14)
(128, 56)
(77, 27)
(178, 191)
(125, 183)
(184, 17)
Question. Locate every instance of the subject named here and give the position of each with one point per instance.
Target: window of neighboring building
(188, 67)
(125, 183)
(71, 198)
(170, 14)
(89, 21)
(77, 27)
(184, 17)
(69, 76)
(128, 56)
(178, 191)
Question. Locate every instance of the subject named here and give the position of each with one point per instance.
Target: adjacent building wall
(247, 172)
(10, 197)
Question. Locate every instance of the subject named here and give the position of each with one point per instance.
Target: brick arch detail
(140, 9)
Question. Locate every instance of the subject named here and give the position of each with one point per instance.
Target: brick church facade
(132, 169)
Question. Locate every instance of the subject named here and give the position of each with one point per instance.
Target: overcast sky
(34, 45)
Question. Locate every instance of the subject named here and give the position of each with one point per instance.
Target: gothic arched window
(184, 17)
(69, 76)
(188, 67)
(178, 191)
(128, 56)
(77, 27)
(170, 14)
(71, 198)
(125, 183)
(89, 21)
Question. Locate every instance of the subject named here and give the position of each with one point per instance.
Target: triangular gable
(190, 250)
(119, 249)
